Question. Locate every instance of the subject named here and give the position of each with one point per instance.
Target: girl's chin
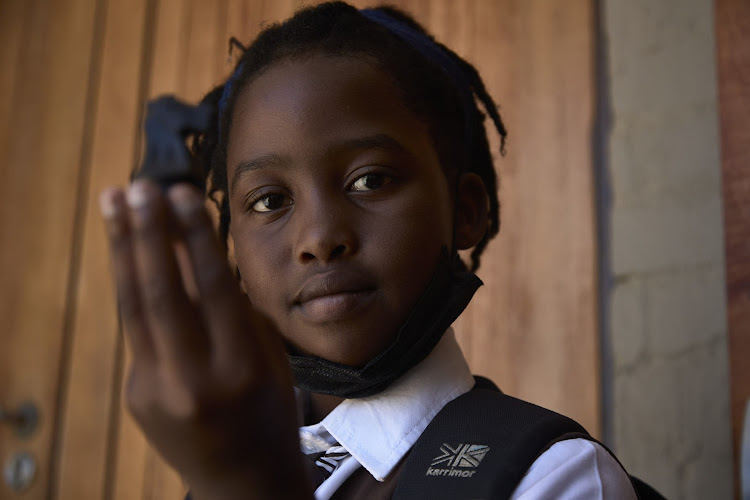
(342, 347)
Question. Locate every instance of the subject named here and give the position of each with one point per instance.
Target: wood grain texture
(138, 470)
(15, 16)
(42, 154)
(733, 61)
(87, 419)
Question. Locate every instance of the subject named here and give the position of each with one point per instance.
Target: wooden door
(47, 98)
(733, 61)
(73, 77)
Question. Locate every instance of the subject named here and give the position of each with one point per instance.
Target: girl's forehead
(319, 95)
(318, 119)
(319, 78)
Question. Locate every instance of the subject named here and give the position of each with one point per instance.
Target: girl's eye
(369, 182)
(270, 202)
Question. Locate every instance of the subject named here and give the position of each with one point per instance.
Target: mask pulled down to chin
(449, 291)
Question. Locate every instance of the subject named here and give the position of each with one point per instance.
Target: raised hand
(209, 383)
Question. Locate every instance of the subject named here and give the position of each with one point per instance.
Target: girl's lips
(334, 295)
(336, 306)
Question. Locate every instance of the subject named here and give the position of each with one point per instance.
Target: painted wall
(667, 315)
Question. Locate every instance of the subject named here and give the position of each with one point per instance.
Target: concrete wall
(667, 321)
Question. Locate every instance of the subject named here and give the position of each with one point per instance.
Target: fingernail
(107, 205)
(137, 194)
(184, 201)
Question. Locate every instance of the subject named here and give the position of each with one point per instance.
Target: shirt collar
(379, 430)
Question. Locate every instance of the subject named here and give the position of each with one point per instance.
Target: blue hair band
(421, 42)
(226, 92)
(437, 55)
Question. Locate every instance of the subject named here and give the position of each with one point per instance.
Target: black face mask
(447, 295)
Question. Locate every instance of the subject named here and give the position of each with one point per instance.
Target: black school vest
(479, 446)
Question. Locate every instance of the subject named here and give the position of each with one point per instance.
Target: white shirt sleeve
(575, 469)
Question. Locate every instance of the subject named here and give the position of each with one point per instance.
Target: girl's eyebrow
(264, 161)
(377, 141)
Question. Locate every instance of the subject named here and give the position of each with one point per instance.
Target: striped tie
(323, 463)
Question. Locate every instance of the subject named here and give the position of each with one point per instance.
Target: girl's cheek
(260, 274)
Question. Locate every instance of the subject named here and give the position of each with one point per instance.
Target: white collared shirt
(379, 430)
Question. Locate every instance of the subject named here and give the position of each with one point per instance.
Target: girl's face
(339, 204)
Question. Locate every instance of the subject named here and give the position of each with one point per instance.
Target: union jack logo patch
(463, 455)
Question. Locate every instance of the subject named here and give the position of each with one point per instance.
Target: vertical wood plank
(42, 152)
(533, 327)
(138, 469)
(170, 33)
(732, 18)
(204, 52)
(86, 428)
(562, 276)
(15, 16)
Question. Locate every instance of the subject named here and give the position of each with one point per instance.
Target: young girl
(349, 162)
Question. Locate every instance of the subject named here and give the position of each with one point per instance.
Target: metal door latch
(19, 471)
(24, 419)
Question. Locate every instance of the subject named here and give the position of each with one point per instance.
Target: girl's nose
(325, 232)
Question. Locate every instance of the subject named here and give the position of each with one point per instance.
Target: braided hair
(339, 29)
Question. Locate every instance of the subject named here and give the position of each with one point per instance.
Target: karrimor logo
(463, 456)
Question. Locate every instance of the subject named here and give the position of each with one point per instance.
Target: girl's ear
(472, 208)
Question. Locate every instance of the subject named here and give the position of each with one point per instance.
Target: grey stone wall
(667, 320)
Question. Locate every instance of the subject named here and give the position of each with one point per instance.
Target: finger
(174, 326)
(115, 214)
(186, 271)
(222, 305)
